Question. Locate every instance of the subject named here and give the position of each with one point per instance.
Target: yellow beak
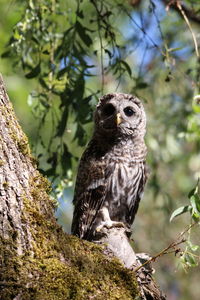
(118, 119)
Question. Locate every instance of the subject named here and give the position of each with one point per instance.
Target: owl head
(120, 114)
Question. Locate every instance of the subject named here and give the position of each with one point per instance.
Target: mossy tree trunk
(38, 260)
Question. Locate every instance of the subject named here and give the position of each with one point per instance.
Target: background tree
(71, 52)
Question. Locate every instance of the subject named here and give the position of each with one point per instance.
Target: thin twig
(171, 245)
(190, 13)
(189, 26)
(164, 251)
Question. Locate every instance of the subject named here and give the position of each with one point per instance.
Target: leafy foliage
(193, 208)
(188, 257)
(55, 43)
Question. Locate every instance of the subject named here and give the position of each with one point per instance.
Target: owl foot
(110, 224)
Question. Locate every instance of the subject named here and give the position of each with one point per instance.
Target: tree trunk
(38, 261)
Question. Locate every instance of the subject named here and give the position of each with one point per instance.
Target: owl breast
(124, 190)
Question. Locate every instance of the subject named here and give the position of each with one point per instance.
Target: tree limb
(190, 14)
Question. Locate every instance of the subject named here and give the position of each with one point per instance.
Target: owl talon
(117, 224)
(99, 228)
(110, 224)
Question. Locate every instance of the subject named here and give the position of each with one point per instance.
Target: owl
(112, 171)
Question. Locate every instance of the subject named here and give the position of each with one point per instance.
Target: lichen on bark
(37, 259)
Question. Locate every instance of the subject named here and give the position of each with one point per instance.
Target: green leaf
(195, 217)
(109, 53)
(63, 122)
(80, 14)
(127, 67)
(194, 247)
(174, 49)
(34, 72)
(66, 159)
(179, 211)
(142, 85)
(195, 205)
(189, 260)
(6, 54)
(191, 193)
(49, 172)
(44, 103)
(80, 135)
(83, 35)
(44, 82)
(191, 247)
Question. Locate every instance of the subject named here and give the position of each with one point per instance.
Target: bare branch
(173, 245)
(189, 26)
(190, 14)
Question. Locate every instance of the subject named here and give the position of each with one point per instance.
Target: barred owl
(112, 171)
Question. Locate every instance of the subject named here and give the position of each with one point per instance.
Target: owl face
(120, 113)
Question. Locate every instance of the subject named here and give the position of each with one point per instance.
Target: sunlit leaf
(192, 247)
(189, 260)
(195, 205)
(127, 67)
(179, 211)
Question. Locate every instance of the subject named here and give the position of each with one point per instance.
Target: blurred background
(59, 57)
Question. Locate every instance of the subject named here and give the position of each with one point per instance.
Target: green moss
(21, 142)
(82, 272)
(65, 267)
(15, 131)
(56, 266)
(41, 184)
(23, 146)
(81, 277)
(59, 266)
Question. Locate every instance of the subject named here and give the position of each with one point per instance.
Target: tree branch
(190, 14)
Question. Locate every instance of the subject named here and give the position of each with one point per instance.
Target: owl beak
(118, 119)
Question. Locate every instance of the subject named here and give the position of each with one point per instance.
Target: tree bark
(38, 261)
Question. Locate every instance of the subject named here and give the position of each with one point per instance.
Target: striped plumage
(112, 171)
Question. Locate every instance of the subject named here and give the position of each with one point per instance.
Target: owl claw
(110, 224)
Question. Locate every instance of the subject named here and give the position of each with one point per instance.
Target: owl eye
(128, 111)
(108, 110)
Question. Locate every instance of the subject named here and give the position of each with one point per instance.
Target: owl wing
(89, 195)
